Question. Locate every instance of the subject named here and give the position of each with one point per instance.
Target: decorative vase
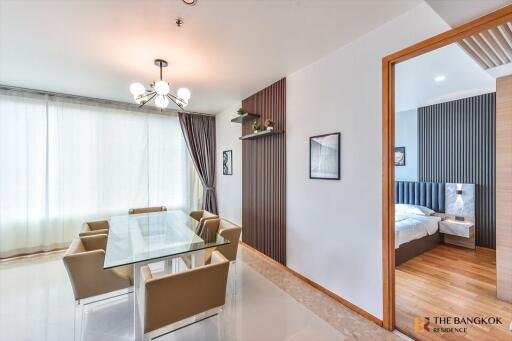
(256, 131)
(270, 128)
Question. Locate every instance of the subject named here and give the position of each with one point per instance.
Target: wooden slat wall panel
(264, 175)
(457, 144)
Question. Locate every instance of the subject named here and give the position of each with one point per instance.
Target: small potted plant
(269, 124)
(256, 126)
(241, 111)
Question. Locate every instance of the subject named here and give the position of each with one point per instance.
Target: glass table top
(143, 237)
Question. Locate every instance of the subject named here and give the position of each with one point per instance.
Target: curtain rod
(14, 90)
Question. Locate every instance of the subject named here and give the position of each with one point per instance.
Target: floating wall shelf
(260, 134)
(245, 117)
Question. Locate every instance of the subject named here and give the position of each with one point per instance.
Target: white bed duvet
(412, 226)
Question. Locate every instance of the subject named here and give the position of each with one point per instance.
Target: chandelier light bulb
(184, 94)
(162, 88)
(161, 101)
(137, 89)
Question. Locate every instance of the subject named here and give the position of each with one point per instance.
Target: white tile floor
(36, 303)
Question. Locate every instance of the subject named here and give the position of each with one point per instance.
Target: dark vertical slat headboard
(428, 194)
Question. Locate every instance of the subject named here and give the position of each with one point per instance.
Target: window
(62, 164)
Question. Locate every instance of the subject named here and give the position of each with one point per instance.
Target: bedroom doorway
(442, 237)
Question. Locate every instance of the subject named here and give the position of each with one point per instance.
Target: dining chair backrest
(147, 210)
(84, 261)
(232, 233)
(202, 215)
(209, 229)
(174, 297)
(94, 227)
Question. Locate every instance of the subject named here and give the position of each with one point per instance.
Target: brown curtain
(199, 133)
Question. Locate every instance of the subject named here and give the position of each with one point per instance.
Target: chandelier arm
(172, 98)
(153, 94)
(177, 98)
(145, 95)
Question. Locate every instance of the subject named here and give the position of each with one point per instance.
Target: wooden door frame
(388, 140)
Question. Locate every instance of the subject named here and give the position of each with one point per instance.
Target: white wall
(406, 135)
(334, 232)
(229, 187)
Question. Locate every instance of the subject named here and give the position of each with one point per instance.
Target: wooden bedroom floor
(451, 281)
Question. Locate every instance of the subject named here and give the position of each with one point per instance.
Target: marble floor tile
(349, 323)
(36, 303)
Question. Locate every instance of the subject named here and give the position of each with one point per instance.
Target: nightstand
(460, 233)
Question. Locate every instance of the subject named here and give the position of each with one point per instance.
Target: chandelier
(160, 91)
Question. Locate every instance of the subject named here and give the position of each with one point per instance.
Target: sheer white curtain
(65, 163)
(23, 187)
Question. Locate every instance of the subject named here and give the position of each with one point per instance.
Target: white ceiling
(416, 85)
(415, 78)
(225, 51)
(457, 12)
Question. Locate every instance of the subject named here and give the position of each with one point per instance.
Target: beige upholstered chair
(209, 229)
(94, 227)
(232, 233)
(84, 263)
(178, 296)
(202, 215)
(227, 230)
(208, 232)
(147, 210)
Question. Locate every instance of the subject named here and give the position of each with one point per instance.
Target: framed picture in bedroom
(227, 162)
(399, 156)
(324, 157)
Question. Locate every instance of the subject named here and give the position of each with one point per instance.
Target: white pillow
(413, 209)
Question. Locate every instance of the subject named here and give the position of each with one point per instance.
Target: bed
(417, 207)
(409, 227)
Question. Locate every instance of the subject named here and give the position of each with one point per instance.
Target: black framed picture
(399, 156)
(227, 162)
(324, 156)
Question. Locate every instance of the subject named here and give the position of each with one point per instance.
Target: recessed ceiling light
(440, 78)
(190, 2)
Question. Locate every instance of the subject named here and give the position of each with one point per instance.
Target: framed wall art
(324, 157)
(227, 162)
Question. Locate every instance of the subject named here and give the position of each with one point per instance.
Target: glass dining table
(157, 240)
